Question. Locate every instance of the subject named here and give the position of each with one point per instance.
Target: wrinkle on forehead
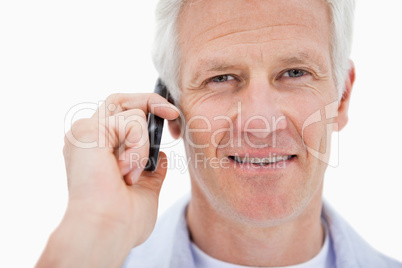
(257, 31)
(207, 20)
(212, 15)
(238, 32)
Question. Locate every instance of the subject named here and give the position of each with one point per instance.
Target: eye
(222, 78)
(295, 73)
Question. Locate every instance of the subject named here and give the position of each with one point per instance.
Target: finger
(129, 127)
(133, 175)
(133, 158)
(149, 179)
(147, 102)
(129, 137)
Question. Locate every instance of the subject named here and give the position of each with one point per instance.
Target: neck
(293, 242)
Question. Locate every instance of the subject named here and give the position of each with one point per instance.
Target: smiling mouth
(261, 161)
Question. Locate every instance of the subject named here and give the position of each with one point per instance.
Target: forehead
(206, 27)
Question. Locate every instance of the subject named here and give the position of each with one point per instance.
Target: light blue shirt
(169, 245)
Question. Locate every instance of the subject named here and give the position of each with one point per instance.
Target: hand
(112, 203)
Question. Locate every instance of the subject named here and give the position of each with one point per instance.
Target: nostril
(258, 126)
(279, 123)
(259, 133)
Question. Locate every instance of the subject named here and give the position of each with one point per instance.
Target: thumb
(153, 180)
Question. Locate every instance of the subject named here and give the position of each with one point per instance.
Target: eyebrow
(305, 58)
(216, 65)
(220, 67)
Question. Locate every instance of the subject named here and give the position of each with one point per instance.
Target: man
(261, 85)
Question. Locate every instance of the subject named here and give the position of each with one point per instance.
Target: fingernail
(135, 175)
(174, 107)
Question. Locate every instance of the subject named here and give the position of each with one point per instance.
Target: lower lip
(279, 166)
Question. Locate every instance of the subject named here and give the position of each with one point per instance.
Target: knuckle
(140, 113)
(82, 129)
(137, 135)
(154, 95)
(155, 98)
(113, 98)
(135, 116)
(80, 125)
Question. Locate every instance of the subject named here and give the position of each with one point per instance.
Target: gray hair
(166, 53)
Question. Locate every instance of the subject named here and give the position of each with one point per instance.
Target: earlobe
(345, 99)
(175, 128)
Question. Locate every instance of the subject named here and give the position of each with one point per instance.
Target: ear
(344, 102)
(175, 128)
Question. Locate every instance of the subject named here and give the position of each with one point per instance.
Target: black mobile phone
(155, 127)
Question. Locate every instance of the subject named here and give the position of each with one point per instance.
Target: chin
(269, 209)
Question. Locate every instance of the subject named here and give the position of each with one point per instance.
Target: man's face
(252, 73)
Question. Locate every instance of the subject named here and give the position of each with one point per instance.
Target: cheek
(309, 117)
(208, 120)
(197, 131)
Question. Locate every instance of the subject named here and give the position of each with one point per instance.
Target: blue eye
(222, 78)
(294, 73)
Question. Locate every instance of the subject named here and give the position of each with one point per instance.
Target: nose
(260, 110)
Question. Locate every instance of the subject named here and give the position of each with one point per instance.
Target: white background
(56, 54)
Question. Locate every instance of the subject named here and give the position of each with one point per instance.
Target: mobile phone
(155, 128)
